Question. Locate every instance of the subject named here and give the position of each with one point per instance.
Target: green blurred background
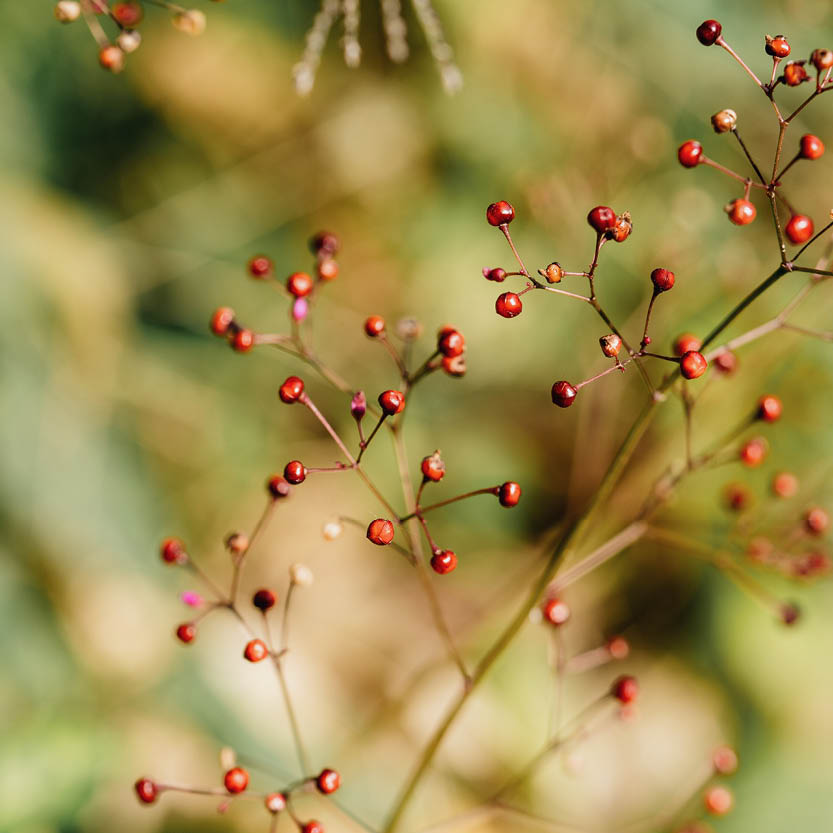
(129, 207)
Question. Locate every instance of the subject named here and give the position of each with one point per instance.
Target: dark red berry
(324, 243)
(173, 551)
(186, 633)
(222, 320)
(443, 561)
(737, 497)
(769, 408)
(686, 342)
(816, 521)
(497, 274)
(299, 284)
(295, 472)
(509, 494)
(451, 343)
(718, 800)
(500, 213)
(380, 532)
(556, 612)
(264, 599)
(602, 218)
(811, 147)
(777, 46)
(689, 153)
(146, 790)
(374, 326)
(662, 279)
(795, 74)
(275, 802)
(290, 391)
(508, 305)
(260, 266)
(392, 402)
(128, 14)
(563, 394)
(278, 487)
(799, 229)
(236, 780)
(625, 689)
(327, 270)
(708, 32)
(693, 364)
(789, 613)
(754, 451)
(243, 341)
(255, 650)
(741, 212)
(328, 781)
(433, 467)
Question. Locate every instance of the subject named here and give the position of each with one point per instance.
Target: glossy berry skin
(554, 273)
(625, 689)
(264, 599)
(451, 343)
(718, 800)
(741, 212)
(662, 279)
(443, 561)
(754, 452)
(328, 781)
(312, 827)
(299, 284)
(497, 274)
(277, 487)
(433, 467)
(816, 521)
(374, 326)
(222, 320)
(173, 551)
(508, 305)
(275, 802)
(563, 394)
(708, 32)
(294, 472)
(186, 633)
(260, 266)
(724, 121)
(509, 494)
(621, 230)
(795, 74)
(799, 229)
(500, 213)
(111, 58)
(777, 47)
(291, 390)
(769, 408)
(327, 270)
(811, 147)
(236, 780)
(243, 341)
(392, 402)
(689, 153)
(693, 364)
(255, 650)
(146, 791)
(686, 342)
(556, 612)
(380, 532)
(725, 760)
(602, 218)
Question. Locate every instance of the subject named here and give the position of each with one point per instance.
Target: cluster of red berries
(451, 344)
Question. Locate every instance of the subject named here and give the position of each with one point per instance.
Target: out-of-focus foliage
(128, 206)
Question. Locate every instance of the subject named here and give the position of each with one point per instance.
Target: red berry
(784, 484)
(433, 467)
(278, 487)
(816, 521)
(662, 279)
(243, 341)
(264, 599)
(625, 689)
(275, 802)
(236, 779)
(556, 612)
(454, 365)
(508, 305)
(622, 228)
(795, 74)
(260, 266)
(146, 790)
(327, 270)
(799, 229)
(312, 827)
(451, 344)
(737, 497)
(173, 551)
(822, 59)
(324, 243)
(563, 394)
(392, 402)
(718, 800)
(255, 650)
(128, 14)
(443, 561)
(497, 274)
(111, 58)
(500, 213)
(222, 320)
(186, 633)
(693, 364)
(299, 284)
(811, 147)
(769, 408)
(708, 32)
(374, 326)
(618, 647)
(689, 153)
(602, 218)
(741, 212)
(726, 362)
(509, 494)
(725, 760)
(380, 532)
(685, 343)
(777, 46)
(295, 472)
(754, 451)
(290, 391)
(328, 781)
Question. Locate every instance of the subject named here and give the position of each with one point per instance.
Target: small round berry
(769, 408)
(509, 494)
(332, 530)
(294, 472)
(500, 213)
(255, 650)
(221, 321)
(146, 790)
(433, 467)
(290, 391)
(454, 365)
(708, 32)
(689, 153)
(556, 612)
(260, 266)
(725, 760)
(374, 326)
(816, 521)
(662, 279)
(127, 14)
(328, 781)
(173, 551)
(811, 147)
(380, 532)
(795, 74)
(237, 543)
(190, 21)
(685, 343)
(822, 59)
(451, 343)
(740, 212)
(754, 451)
(799, 229)
(312, 827)
(563, 394)
(693, 364)
(625, 689)
(443, 561)
(726, 362)
(622, 228)
(508, 305)
(299, 284)
(301, 575)
(777, 46)
(327, 270)
(236, 780)
(618, 647)
(784, 484)
(392, 402)
(264, 599)
(278, 487)
(243, 341)
(602, 218)
(497, 274)
(275, 802)
(111, 58)
(129, 41)
(554, 273)
(611, 344)
(186, 633)
(737, 497)
(324, 243)
(718, 800)
(724, 121)
(67, 10)
(789, 613)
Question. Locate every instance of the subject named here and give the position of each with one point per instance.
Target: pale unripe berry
(191, 21)
(67, 10)
(301, 575)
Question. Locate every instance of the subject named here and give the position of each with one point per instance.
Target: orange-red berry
(509, 305)
(741, 212)
(811, 147)
(685, 343)
(625, 689)
(622, 228)
(554, 273)
(618, 647)
(328, 781)
(186, 633)
(275, 802)
(236, 780)
(777, 46)
(291, 390)
(689, 153)
(260, 266)
(754, 451)
(556, 611)
(816, 521)
(328, 270)
(443, 561)
(784, 484)
(451, 343)
(718, 800)
(509, 494)
(222, 320)
(769, 408)
(299, 284)
(662, 279)
(433, 467)
(173, 551)
(312, 827)
(146, 790)
(374, 326)
(380, 532)
(111, 58)
(500, 213)
(799, 229)
(243, 341)
(795, 74)
(392, 402)
(255, 650)
(693, 364)
(726, 362)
